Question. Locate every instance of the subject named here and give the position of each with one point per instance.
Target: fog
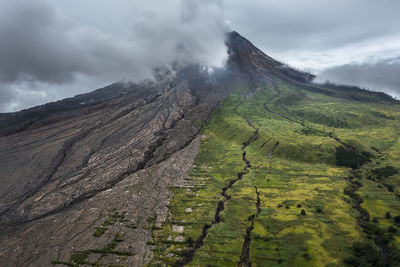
(47, 55)
(375, 74)
(52, 49)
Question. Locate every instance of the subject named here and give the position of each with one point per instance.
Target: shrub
(387, 215)
(99, 231)
(350, 158)
(303, 212)
(384, 172)
(190, 241)
(373, 229)
(390, 187)
(375, 220)
(397, 219)
(364, 255)
(306, 255)
(299, 205)
(79, 256)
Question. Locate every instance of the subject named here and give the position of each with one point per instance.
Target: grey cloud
(50, 49)
(378, 75)
(319, 34)
(310, 24)
(34, 44)
(47, 54)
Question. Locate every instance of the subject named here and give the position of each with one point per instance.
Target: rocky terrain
(63, 170)
(87, 181)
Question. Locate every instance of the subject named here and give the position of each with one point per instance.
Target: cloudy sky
(52, 49)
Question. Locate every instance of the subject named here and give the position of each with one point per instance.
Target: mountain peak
(245, 54)
(154, 163)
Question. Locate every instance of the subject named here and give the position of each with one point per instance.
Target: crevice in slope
(189, 254)
(275, 96)
(363, 219)
(301, 122)
(148, 160)
(148, 156)
(245, 256)
(271, 153)
(58, 160)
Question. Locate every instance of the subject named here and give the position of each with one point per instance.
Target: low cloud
(376, 74)
(45, 54)
(318, 34)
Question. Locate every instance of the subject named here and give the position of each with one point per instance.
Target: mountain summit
(250, 164)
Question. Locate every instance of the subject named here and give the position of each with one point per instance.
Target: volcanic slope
(289, 174)
(249, 166)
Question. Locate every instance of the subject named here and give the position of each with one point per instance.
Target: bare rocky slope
(106, 160)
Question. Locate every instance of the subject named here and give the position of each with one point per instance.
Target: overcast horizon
(51, 50)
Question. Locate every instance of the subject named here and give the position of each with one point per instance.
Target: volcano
(252, 164)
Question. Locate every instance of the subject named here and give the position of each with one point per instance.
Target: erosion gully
(354, 184)
(245, 256)
(244, 261)
(190, 253)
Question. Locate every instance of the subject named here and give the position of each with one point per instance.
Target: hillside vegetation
(249, 165)
(287, 176)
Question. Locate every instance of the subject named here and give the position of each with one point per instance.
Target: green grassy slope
(310, 180)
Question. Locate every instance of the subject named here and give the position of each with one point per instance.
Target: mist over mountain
(51, 50)
(378, 75)
(47, 55)
(168, 170)
(197, 147)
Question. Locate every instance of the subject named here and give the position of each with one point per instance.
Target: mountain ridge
(81, 172)
(237, 45)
